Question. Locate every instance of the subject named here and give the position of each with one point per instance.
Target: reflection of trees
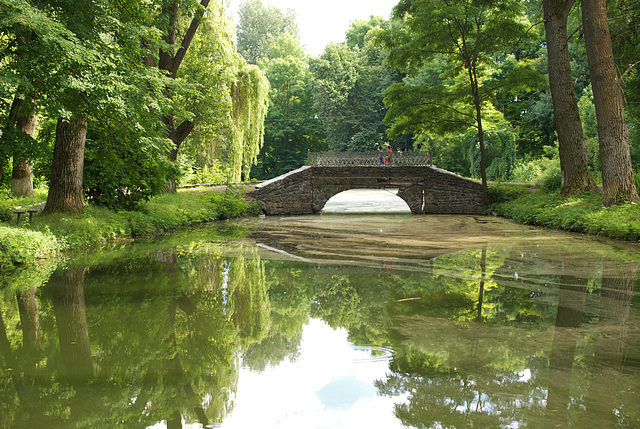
(603, 401)
(503, 368)
(290, 297)
(67, 293)
(571, 300)
(443, 395)
(152, 339)
(250, 301)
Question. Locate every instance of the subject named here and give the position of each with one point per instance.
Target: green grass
(51, 233)
(579, 213)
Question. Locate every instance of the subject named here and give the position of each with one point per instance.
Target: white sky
(330, 386)
(322, 22)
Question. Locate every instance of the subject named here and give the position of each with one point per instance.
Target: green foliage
(350, 80)
(291, 128)
(211, 67)
(130, 172)
(98, 225)
(259, 26)
(502, 193)
(543, 172)
(250, 95)
(336, 73)
(551, 179)
(214, 174)
(20, 246)
(171, 211)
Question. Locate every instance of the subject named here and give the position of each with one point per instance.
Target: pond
(328, 321)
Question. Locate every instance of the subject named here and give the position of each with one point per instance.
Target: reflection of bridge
(425, 189)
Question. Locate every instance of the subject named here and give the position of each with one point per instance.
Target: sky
(322, 22)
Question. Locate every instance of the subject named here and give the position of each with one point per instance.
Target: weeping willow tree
(250, 98)
(229, 129)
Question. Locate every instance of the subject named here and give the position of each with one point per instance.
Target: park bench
(20, 212)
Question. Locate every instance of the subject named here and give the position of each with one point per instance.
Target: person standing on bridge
(389, 156)
(380, 155)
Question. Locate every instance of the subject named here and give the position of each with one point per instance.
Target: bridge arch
(366, 200)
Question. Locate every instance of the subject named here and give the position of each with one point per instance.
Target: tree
(260, 26)
(573, 154)
(624, 26)
(22, 127)
(27, 35)
(250, 95)
(617, 173)
(65, 191)
(468, 36)
(170, 55)
(291, 127)
(336, 73)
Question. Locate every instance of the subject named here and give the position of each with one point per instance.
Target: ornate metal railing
(366, 159)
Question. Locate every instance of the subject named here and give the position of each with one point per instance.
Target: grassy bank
(54, 233)
(580, 213)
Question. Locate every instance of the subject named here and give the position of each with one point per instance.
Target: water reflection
(327, 322)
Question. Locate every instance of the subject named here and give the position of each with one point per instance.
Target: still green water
(332, 321)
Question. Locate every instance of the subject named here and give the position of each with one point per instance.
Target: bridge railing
(367, 159)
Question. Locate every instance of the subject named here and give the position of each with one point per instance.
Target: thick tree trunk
(617, 172)
(65, 188)
(573, 153)
(22, 177)
(23, 118)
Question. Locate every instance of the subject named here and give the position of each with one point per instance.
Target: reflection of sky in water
(329, 386)
(366, 201)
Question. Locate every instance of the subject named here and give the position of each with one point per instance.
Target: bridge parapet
(366, 159)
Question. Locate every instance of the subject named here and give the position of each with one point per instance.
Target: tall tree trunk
(473, 80)
(23, 118)
(573, 153)
(65, 188)
(483, 270)
(617, 173)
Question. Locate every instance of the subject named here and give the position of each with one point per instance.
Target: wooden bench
(21, 212)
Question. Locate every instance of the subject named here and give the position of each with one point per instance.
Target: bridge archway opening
(366, 200)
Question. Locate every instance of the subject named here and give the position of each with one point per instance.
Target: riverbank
(48, 235)
(581, 213)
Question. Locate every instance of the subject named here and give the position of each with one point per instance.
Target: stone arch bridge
(425, 189)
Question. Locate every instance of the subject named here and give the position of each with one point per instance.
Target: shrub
(19, 246)
(501, 193)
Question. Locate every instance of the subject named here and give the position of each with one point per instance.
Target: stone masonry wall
(425, 189)
(288, 194)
